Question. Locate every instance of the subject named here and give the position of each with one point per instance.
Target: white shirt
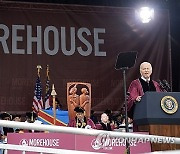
(147, 80)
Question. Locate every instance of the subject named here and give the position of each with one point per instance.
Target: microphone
(168, 88)
(162, 85)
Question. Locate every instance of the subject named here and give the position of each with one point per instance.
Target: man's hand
(138, 99)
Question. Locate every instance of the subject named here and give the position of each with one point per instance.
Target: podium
(158, 113)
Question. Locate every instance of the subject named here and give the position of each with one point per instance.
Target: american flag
(37, 100)
(48, 94)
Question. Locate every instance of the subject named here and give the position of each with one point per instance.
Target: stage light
(145, 14)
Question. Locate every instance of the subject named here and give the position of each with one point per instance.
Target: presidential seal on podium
(169, 104)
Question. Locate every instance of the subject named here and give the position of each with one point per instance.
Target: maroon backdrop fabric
(100, 32)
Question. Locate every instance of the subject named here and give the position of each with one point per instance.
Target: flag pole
(47, 72)
(53, 94)
(48, 93)
(36, 109)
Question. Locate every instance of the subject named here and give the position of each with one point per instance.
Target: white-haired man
(141, 85)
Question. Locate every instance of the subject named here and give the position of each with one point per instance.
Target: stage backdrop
(80, 44)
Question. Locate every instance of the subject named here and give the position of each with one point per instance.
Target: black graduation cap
(79, 109)
(5, 115)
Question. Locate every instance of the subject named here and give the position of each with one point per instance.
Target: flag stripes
(37, 100)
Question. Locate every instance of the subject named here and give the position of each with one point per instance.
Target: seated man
(118, 120)
(80, 121)
(105, 123)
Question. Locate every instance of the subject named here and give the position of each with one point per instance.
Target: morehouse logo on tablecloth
(23, 142)
(40, 142)
(104, 141)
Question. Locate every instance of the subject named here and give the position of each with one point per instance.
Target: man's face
(104, 118)
(146, 70)
(80, 115)
(17, 119)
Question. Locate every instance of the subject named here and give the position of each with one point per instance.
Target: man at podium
(141, 85)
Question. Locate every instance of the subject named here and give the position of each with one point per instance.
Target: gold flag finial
(53, 94)
(39, 69)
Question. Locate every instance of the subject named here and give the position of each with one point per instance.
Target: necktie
(148, 85)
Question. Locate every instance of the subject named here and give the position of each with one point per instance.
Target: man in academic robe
(105, 123)
(80, 121)
(141, 85)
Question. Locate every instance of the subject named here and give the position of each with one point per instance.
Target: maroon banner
(102, 143)
(80, 44)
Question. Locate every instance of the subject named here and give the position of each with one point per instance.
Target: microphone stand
(125, 102)
(167, 86)
(161, 86)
